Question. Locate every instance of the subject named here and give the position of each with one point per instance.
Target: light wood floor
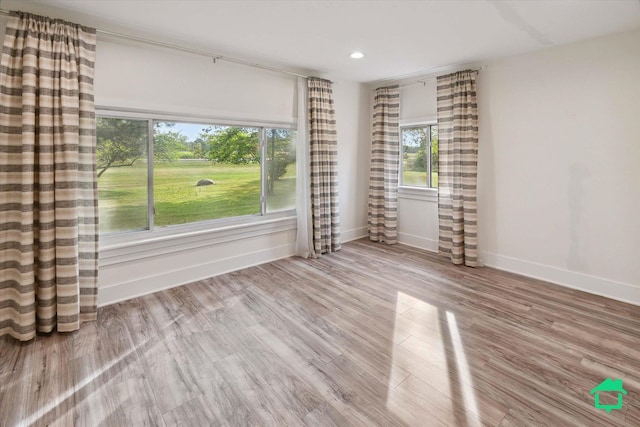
(372, 335)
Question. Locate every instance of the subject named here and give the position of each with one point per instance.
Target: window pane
(204, 172)
(414, 157)
(281, 169)
(434, 156)
(122, 174)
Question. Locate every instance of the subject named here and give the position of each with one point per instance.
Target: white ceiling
(400, 38)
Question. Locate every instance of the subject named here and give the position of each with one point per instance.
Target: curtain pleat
(324, 167)
(48, 208)
(457, 167)
(385, 156)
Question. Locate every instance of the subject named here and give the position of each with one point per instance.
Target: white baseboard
(595, 285)
(353, 234)
(150, 284)
(620, 291)
(418, 242)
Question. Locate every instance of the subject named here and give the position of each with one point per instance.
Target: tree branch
(109, 165)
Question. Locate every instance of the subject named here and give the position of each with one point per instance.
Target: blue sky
(190, 130)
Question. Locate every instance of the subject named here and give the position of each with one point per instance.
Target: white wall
(418, 101)
(418, 212)
(354, 130)
(559, 166)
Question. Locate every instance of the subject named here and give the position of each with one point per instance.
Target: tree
(415, 141)
(281, 153)
(420, 138)
(120, 142)
(198, 151)
(167, 145)
(241, 146)
(231, 144)
(434, 149)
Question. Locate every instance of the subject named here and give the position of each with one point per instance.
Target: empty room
(319, 213)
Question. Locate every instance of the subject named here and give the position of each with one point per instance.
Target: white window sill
(132, 246)
(417, 193)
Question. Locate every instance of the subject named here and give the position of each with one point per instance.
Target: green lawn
(123, 193)
(415, 178)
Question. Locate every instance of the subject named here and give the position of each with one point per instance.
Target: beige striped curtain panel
(48, 204)
(457, 165)
(324, 167)
(385, 157)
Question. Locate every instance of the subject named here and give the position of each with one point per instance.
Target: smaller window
(419, 153)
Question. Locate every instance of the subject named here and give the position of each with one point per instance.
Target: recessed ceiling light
(357, 55)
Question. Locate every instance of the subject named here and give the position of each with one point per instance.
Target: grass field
(416, 178)
(123, 194)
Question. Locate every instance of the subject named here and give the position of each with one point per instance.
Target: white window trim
(407, 191)
(133, 245)
(418, 193)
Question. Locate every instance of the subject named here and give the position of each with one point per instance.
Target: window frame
(424, 122)
(429, 194)
(152, 233)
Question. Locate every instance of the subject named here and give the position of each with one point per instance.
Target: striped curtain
(324, 167)
(458, 165)
(385, 156)
(48, 187)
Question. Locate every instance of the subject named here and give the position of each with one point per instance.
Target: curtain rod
(424, 81)
(213, 56)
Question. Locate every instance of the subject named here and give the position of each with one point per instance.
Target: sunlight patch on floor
(416, 323)
(464, 375)
(67, 394)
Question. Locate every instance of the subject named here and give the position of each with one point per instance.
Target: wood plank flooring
(372, 335)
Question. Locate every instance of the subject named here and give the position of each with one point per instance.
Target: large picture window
(419, 151)
(159, 173)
